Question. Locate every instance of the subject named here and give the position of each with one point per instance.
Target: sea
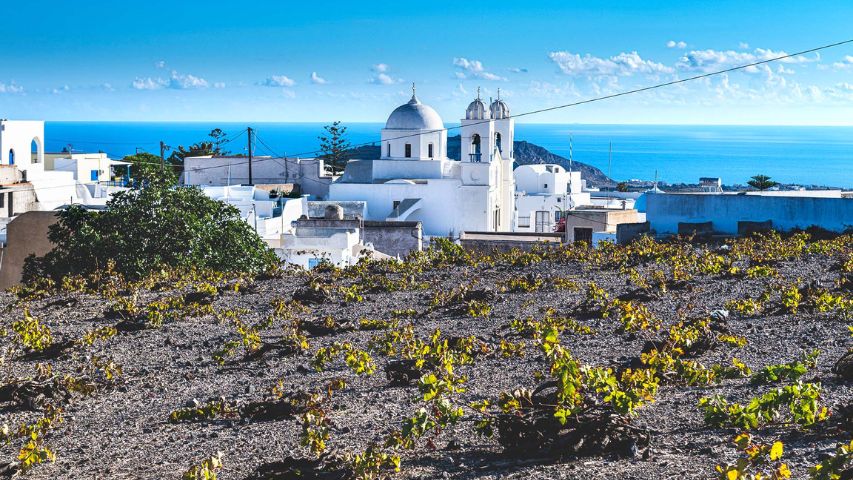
(807, 156)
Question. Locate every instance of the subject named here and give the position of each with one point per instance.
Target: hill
(147, 380)
(525, 153)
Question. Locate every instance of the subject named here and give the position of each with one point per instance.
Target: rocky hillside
(629, 362)
(525, 153)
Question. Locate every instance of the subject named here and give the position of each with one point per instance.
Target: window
(475, 155)
(94, 175)
(558, 215)
(388, 150)
(583, 234)
(498, 142)
(2, 199)
(408, 150)
(395, 204)
(546, 186)
(429, 150)
(11, 156)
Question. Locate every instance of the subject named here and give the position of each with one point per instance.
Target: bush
(148, 229)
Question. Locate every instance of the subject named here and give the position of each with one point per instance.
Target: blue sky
(355, 61)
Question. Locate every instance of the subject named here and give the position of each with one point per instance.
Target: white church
(414, 180)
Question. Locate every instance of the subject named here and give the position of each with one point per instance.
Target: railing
(475, 157)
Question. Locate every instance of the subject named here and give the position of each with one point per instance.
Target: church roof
(414, 116)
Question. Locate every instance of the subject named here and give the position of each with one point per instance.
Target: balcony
(475, 157)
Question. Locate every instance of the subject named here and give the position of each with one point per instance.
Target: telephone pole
(163, 148)
(249, 131)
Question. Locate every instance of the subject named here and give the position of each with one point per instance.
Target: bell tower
(477, 133)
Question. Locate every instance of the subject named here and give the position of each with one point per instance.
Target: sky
(285, 61)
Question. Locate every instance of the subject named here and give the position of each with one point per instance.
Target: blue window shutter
(94, 175)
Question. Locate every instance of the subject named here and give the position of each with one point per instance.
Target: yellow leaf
(732, 475)
(776, 451)
(783, 471)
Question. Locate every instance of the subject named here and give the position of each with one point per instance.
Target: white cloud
(10, 88)
(108, 87)
(148, 83)
(518, 70)
(711, 60)
(674, 44)
(385, 79)
(844, 86)
(381, 75)
(186, 82)
(743, 45)
(278, 81)
(624, 64)
(160, 64)
(57, 91)
(473, 69)
(219, 85)
(317, 79)
(784, 71)
(288, 93)
(845, 63)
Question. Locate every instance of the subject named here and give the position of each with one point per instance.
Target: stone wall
(25, 235)
(394, 238)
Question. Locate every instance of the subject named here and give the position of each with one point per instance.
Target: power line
(556, 107)
(592, 100)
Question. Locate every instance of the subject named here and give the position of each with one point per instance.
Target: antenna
(499, 93)
(413, 89)
(478, 93)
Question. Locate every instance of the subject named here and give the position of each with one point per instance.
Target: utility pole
(249, 131)
(163, 148)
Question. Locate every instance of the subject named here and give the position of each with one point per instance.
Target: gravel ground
(122, 430)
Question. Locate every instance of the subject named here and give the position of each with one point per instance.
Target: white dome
(414, 116)
(499, 110)
(476, 111)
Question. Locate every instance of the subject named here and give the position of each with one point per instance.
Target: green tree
(146, 167)
(621, 187)
(761, 182)
(151, 228)
(213, 146)
(334, 145)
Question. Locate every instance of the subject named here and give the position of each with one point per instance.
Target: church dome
(499, 110)
(476, 110)
(414, 116)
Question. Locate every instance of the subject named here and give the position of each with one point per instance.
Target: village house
(543, 195)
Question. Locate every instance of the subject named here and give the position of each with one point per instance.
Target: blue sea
(678, 154)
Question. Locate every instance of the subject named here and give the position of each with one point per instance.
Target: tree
(335, 146)
(621, 187)
(143, 230)
(218, 139)
(761, 182)
(146, 168)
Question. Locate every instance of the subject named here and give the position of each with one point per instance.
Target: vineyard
(675, 359)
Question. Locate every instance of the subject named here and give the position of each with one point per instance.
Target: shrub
(145, 230)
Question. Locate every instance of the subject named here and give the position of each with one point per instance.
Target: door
(543, 221)
(583, 234)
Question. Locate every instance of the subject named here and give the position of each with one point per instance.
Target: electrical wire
(589, 100)
(552, 108)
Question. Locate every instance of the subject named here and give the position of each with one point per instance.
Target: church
(414, 180)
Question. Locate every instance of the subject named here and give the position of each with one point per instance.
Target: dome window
(408, 150)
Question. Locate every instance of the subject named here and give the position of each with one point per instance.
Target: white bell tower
(477, 133)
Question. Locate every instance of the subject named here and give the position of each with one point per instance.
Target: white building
(270, 217)
(28, 183)
(309, 173)
(330, 238)
(414, 180)
(543, 193)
